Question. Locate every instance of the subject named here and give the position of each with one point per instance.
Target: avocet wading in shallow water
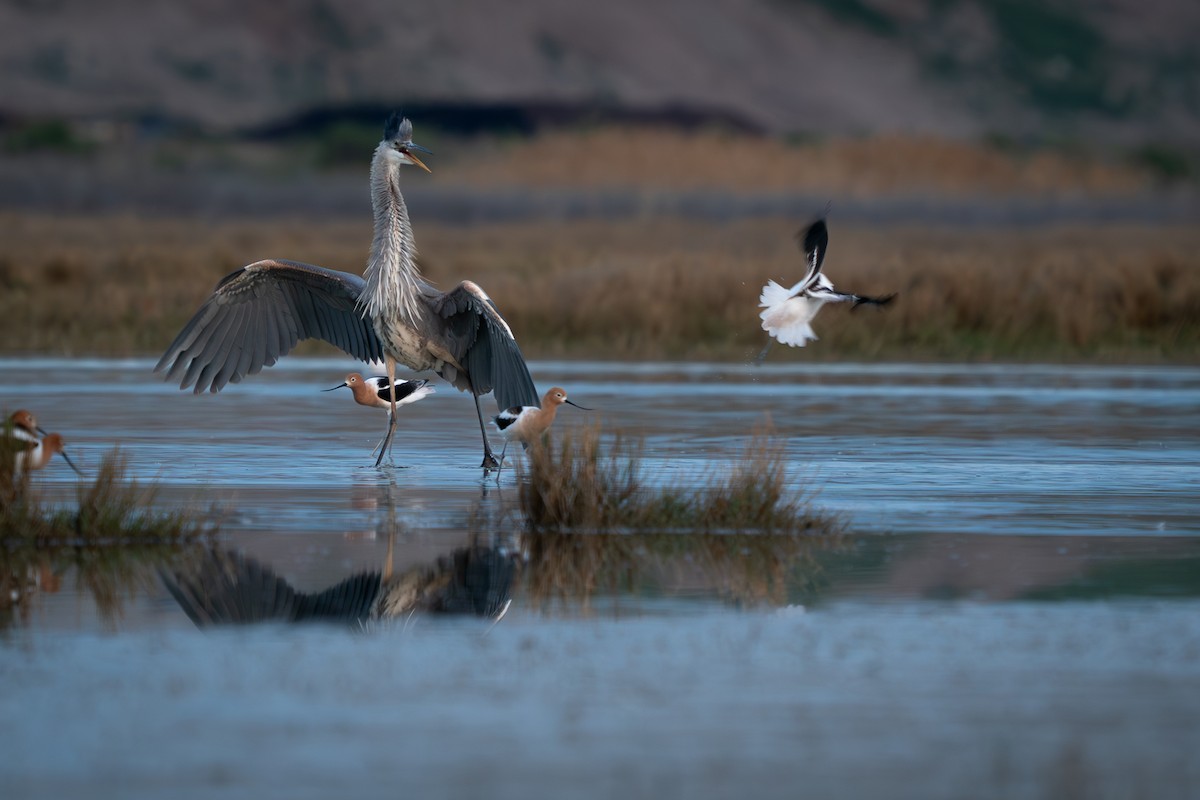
(527, 424)
(377, 391)
(788, 313)
(391, 313)
(29, 452)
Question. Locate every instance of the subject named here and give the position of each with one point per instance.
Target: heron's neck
(393, 280)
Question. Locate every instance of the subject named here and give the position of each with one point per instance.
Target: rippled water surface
(1011, 612)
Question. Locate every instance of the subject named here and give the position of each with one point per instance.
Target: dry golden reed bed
(643, 289)
(660, 288)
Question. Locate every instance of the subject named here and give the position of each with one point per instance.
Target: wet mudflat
(1011, 611)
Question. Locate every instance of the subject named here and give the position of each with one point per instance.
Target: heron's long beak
(335, 388)
(581, 408)
(41, 430)
(70, 463)
(408, 148)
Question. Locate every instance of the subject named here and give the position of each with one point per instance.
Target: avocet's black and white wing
(257, 315)
(788, 312)
(823, 291)
(813, 242)
(407, 391)
(509, 416)
(481, 341)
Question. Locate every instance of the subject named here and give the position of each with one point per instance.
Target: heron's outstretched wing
(259, 313)
(480, 340)
(814, 241)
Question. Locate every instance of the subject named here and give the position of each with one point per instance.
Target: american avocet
(788, 313)
(376, 392)
(23, 425)
(29, 451)
(527, 424)
(391, 314)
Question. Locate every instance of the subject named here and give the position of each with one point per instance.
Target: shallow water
(1012, 611)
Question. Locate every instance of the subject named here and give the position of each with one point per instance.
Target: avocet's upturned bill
(788, 312)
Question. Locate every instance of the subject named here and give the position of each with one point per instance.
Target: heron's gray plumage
(259, 313)
(393, 284)
(391, 314)
(481, 341)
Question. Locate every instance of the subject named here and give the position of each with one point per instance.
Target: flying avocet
(788, 313)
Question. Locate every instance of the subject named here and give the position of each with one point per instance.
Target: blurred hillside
(1123, 72)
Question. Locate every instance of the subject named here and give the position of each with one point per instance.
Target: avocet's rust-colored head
(352, 380)
(556, 397)
(24, 420)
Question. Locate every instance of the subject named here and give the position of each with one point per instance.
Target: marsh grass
(594, 528)
(111, 539)
(595, 483)
(110, 511)
(649, 289)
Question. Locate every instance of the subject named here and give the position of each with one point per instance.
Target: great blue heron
(377, 392)
(788, 313)
(258, 313)
(525, 424)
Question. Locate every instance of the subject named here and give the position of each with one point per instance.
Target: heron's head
(397, 138)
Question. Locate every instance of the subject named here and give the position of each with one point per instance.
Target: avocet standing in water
(788, 313)
(527, 424)
(27, 450)
(377, 392)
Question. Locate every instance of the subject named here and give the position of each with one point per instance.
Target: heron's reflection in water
(226, 587)
(547, 569)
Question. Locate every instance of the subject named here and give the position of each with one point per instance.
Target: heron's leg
(763, 353)
(392, 447)
(386, 440)
(391, 373)
(489, 458)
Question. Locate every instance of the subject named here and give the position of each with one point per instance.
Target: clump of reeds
(588, 482)
(111, 539)
(111, 510)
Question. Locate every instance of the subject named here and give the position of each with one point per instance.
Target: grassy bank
(644, 289)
